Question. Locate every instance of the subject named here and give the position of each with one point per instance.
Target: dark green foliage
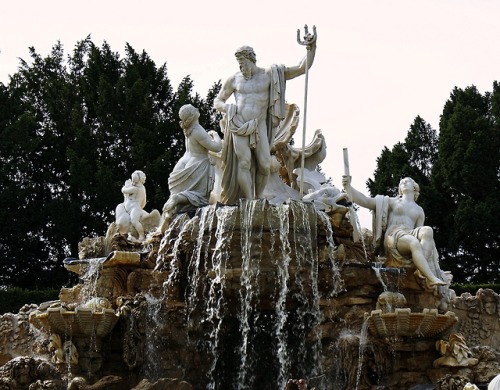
(12, 299)
(72, 130)
(467, 174)
(473, 288)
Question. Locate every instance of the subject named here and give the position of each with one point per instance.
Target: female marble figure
(401, 219)
(192, 179)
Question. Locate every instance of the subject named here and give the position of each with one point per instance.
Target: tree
(71, 131)
(467, 176)
(413, 158)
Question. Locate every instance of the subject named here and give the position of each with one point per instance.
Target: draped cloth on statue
(233, 125)
(379, 223)
(194, 182)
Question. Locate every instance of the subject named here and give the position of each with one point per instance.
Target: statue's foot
(437, 282)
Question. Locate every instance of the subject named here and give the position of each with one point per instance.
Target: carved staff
(309, 39)
(352, 213)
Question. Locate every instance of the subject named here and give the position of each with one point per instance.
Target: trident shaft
(308, 40)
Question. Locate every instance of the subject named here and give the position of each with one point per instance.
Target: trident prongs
(308, 38)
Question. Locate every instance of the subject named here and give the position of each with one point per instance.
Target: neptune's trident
(309, 40)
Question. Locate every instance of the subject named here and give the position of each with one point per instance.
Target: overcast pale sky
(379, 63)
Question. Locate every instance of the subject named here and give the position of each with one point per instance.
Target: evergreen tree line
(458, 172)
(73, 128)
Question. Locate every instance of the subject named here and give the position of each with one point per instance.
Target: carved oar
(352, 213)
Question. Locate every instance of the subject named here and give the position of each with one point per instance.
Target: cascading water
(153, 349)
(226, 218)
(281, 213)
(377, 267)
(308, 310)
(181, 225)
(249, 283)
(155, 312)
(90, 278)
(362, 345)
(250, 292)
(338, 283)
(198, 260)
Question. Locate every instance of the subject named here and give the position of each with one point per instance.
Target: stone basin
(404, 323)
(83, 321)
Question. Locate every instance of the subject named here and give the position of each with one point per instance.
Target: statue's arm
(129, 188)
(356, 196)
(294, 71)
(142, 195)
(210, 141)
(226, 91)
(420, 219)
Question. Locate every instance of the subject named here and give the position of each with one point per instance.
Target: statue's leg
(122, 220)
(170, 208)
(244, 156)
(135, 218)
(263, 156)
(426, 238)
(410, 245)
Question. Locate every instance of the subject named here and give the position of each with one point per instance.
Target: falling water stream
(198, 260)
(362, 345)
(338, 283)
(226, 218)
(281, 213)
(307, 276)
(289, 331)
(249, 282)
(90, 278)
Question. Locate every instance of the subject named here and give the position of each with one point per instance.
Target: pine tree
(467, 176)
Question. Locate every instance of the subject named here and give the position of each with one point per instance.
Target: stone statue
(328, 198)
(401, 221)
(130, 215)
(192, 179)
(290, 157)
(389, 301)
(455, 352)
(495, 383)
(250, 124)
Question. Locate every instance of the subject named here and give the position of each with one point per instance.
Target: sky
(379, 63)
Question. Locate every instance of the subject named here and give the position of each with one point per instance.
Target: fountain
(269, 292)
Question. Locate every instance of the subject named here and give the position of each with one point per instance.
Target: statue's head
(245, 52)
(188, 114)
(246, 60)
(138, 177)
(416, 187)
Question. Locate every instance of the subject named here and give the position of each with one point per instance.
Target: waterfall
(362, 345)
(263, 286)
(249, 282)
(308, 311)
(90, 278)
(226, 218)
(377, 267)
(281, 213)
(153, 349)
(197, 263)
(338, 283)
(155, 312)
